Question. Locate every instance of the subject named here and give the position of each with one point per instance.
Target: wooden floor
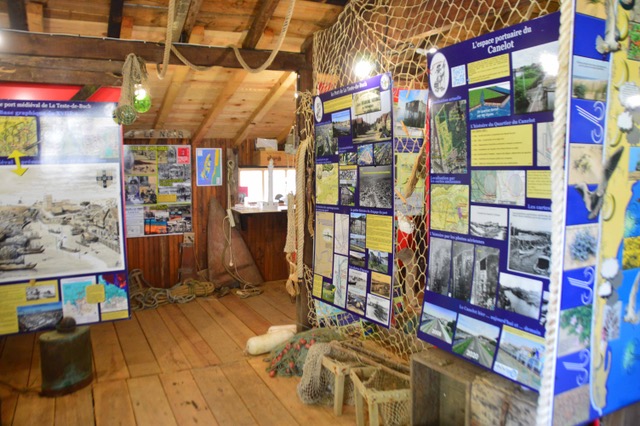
(178, 364)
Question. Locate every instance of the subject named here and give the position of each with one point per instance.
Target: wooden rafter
(115, 18)
(190, 22)
(65, 46)
(85, 93)
(221, 101)
(274, 95)
(18, 15)
(126, 29)
(60, 70)
(35, 20)
(264, 12)
(181, 11)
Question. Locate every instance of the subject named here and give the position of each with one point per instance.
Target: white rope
(168, 41)
(169, 47)
(300, 202)
(275, 51)
(544, 414)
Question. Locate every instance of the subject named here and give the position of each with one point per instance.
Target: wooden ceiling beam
(39, 75)
(115, 18)
(274, 95)
(17, 15)
(126, 28)
(35, 17)
(190, 22)
(66, 46)
(180, 17)
(220, 103)
(264, 12)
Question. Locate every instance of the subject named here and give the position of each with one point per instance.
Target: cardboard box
(280, 158)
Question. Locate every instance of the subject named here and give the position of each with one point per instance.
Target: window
(257, 182)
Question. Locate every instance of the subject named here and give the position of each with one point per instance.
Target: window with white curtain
(257, 182)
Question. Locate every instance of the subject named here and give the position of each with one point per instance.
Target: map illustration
(327, 184)
(498, 187)
(450, 208)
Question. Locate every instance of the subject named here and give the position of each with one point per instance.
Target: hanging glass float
(125, 115)
(141, 99)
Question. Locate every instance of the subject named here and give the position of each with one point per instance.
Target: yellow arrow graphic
(16, 156)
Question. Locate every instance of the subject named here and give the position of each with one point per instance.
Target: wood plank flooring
(175, 365)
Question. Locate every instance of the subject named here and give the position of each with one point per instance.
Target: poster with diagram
(353, 252)
(491, 103)
(62, 248)
(158, 189)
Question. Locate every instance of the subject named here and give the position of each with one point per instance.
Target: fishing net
(395, 36)
(288, 359)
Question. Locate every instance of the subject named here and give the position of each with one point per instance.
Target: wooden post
(305, 83)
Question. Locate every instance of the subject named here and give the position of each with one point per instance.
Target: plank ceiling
(86, 42)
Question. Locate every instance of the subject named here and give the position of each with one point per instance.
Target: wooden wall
(159, 256)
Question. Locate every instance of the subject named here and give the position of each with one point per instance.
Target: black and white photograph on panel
(520, 295)
(341, 121)
(376, 187)
(530, 242)
(365, 155)
(379, 261)
(476, 340)
(461, 270)
(174, 171)
(356, 301)
(357, 279)
(382, 153)
(485, 277)
(438, 322)
(378, 309)
(488, 222)
(348, 179)
(381, 284)
(357, 231)
(357, 258)
(41, 292)
(439, 265)
(371, 116)
(340, 271)
(326, 144)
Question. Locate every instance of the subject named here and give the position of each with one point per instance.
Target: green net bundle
(288, 358)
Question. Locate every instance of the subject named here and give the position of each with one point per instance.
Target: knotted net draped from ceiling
(388, 33)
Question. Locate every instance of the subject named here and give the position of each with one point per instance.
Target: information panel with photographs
(62, 250)
(353, 253)
(158, 189)
(491, 106)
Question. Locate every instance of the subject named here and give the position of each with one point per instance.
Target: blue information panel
(62, 248)
(491, 104)
(353, 252)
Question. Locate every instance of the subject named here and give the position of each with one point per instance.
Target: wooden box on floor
(340, 367)
(441, 388)
(386, 392)
(498, 401)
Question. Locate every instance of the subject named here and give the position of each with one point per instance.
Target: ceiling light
(363, 69)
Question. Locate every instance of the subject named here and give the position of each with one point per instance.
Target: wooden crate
(441, 388)
(379, 386)
(498, 401)
(340, 367)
